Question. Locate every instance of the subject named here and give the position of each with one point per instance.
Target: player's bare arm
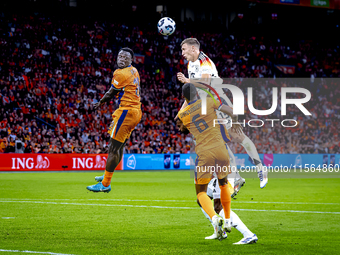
(107, 97)
(237, 128)
(181, 77)
(205, 79)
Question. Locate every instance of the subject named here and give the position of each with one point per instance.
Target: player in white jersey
(201, 67)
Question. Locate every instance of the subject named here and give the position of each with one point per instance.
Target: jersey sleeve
(184, 117)
(118, 80)
(206, 66)
(180, 115)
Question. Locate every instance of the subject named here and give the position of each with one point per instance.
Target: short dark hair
(127, 50)
(189, 91)
(191, 41)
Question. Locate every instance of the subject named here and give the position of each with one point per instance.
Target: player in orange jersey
(212, 154)
(125, 86)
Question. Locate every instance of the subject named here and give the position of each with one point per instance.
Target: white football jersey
(204, 65)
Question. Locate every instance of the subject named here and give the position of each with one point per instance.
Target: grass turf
(155, 212)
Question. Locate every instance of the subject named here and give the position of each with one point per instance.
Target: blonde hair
(191, 41)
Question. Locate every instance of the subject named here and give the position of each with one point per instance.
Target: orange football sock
(225, 200)
(107, 178)
(206, 204)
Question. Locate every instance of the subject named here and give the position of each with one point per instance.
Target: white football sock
(207, 216)
(237, 223)
(250, 148)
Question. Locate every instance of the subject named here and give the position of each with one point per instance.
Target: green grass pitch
(155, 212)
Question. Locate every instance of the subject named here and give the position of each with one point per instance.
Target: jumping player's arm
(197, 82)
(107, 97)
(117, 85)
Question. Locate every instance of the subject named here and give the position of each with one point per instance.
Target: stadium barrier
(85, 162)
(53, 162)
(290, 161)
(184, 161)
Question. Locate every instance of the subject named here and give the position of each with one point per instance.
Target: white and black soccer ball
(166, 26)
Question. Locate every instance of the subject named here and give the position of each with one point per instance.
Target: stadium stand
(52, 70)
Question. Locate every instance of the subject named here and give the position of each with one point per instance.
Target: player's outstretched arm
(199, 83)
(181, 77)
(107, 97)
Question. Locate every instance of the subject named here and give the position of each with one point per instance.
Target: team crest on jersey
(197, 68)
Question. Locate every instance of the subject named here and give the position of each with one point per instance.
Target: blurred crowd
(53, 70)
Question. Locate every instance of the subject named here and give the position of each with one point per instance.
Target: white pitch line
(109, 205)
(163, 207)
(36, 252)
(143, 200)
(194, 201)
(290, 211)
(291, 203)
(175, 201)
(100, 199)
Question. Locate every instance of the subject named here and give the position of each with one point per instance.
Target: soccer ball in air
(166, 26)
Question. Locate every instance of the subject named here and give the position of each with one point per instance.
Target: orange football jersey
(202, 126)
(127, 80)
